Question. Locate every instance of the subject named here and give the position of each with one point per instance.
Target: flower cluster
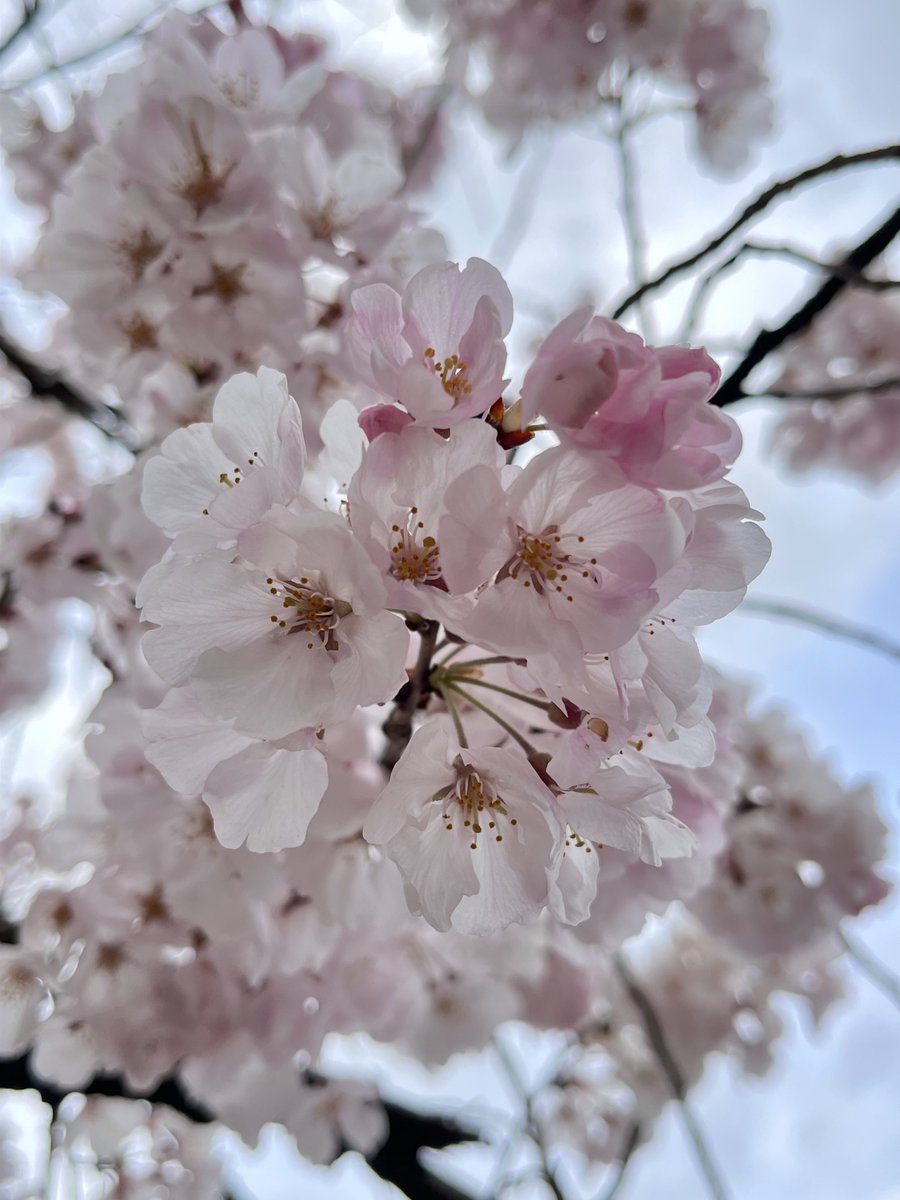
(854, 343)
(560, 61)
(397, 718)
(568, 586)
(207, 210)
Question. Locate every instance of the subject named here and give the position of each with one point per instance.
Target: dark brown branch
(50, 385)
(398, 726)
(396, 1161)
(757, 206)
(769, 340)
(827, 393)
(29, 14)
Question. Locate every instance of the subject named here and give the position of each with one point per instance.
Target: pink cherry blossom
(438, 348)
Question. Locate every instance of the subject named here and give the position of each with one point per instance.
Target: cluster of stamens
(541, 563)
(453, 374)
(477, 805)
(307, 608)
(140, 332)
(233, 477)
(139, 251)
(574, 840)
(203, 186)
(413, 561)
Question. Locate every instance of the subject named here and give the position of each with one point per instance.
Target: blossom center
(542, 562)
(308, 608)
(473, 800)
(453, 374)
(139, 251)
(414, 561)
(203, 185)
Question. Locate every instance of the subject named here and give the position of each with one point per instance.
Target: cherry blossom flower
(474, 832)
(438, 348)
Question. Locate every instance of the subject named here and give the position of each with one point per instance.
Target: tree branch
(875, 971)
(767, 341)
(672, 1072)
(635, 237)
(823, 623)
(770, 250)
(396, 1161)
(527, 1101)
(826, 393)
(757, 206)
(50, 385)
(398, 726)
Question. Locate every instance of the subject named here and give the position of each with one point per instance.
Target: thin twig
(635, 237)
(875, 971)
(527, 1099)
(50, 385)
(452, 685)
(544, 705)
(766, 250)
(827, 393)
(672, 1072)
(399, 724)
(768, 340)
(757, 206)
(822, 623)
(447, 697)
(133, 32)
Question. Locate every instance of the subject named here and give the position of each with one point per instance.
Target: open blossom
(575, 555)
(255, 440)
(473, 831)
(262, 792)
(398, 499)
(292, 633)
(438, 348)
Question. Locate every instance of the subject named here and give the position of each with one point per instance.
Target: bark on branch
(396, 1161)
(757, 206)
(769, 340)
(50, 385)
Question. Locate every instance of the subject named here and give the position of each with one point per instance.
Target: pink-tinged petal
(266, 796)
(183, 479)
(440, 301)
(474, 534)
(272, 688)
(199, 605)
(185, 743)
(382, 418)
(375, 321)
(246, 416)
(373, 665)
